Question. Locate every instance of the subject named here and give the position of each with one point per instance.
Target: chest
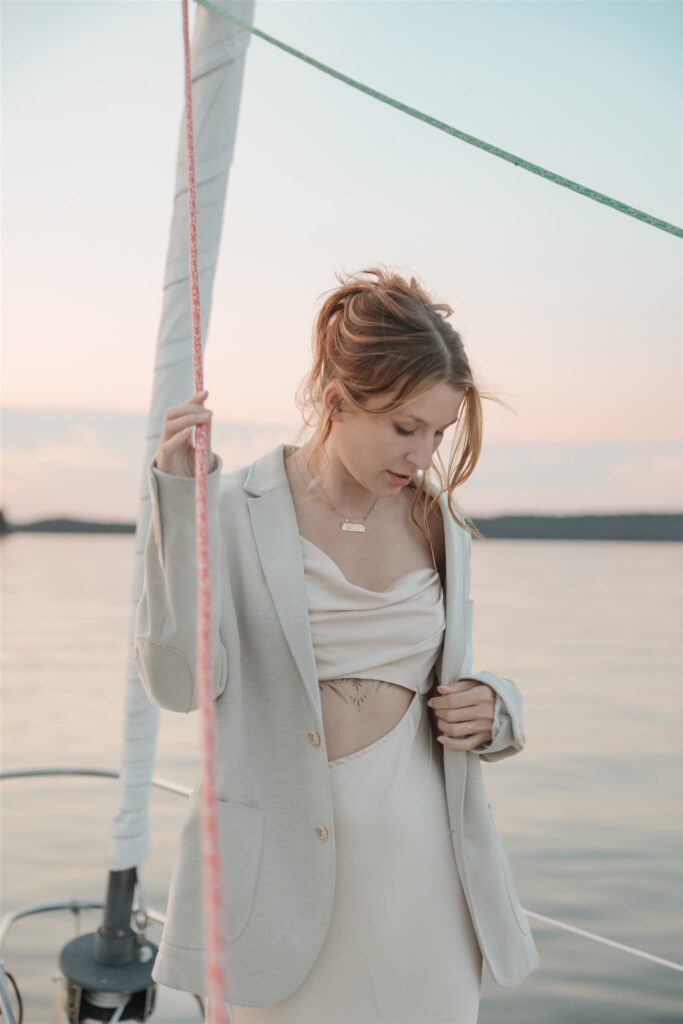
(390, 546)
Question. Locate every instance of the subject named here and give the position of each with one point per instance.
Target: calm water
(590, 812)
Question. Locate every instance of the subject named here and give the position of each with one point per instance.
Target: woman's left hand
(464, 713)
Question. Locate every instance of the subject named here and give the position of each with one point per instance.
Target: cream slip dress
(400, 946)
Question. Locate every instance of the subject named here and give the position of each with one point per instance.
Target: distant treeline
(635, 526)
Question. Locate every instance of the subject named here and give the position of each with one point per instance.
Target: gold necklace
(345, 522)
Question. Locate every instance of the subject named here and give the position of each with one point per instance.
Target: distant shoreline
(653, 526)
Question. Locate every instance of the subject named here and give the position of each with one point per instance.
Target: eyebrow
(424, 422)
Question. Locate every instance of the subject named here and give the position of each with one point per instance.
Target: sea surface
(590, 812)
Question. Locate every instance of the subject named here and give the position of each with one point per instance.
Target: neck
(337, 485)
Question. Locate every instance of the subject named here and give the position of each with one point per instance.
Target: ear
(332, 398)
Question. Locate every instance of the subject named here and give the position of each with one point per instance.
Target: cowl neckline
(392, 586)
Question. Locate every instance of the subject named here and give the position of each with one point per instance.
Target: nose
(421, 457)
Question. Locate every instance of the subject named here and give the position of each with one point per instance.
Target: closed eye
(409, 433)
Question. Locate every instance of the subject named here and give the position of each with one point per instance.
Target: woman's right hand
(176, 453)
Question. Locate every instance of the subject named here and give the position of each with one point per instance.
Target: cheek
(377, 448)
(392, 447)
(372, 455)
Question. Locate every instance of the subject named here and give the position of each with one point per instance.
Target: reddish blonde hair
(387, 335)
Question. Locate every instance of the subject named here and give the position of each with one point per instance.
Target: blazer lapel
(451, 657)
(276, 532)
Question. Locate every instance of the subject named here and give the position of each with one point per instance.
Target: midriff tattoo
(357, 712)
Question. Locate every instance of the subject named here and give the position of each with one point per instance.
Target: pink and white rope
(216, 1001)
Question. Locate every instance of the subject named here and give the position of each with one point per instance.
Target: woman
(391, 922)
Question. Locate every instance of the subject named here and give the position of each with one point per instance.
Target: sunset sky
(570, 311)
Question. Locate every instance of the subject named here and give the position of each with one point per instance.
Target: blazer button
(321, 832)
(313, 738)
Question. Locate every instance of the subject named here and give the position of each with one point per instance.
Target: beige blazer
(273, 790)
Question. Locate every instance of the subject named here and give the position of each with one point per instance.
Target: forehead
(439, 405)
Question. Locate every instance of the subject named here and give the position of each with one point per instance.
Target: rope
(606, 942)
(519, 161)
(214, 978)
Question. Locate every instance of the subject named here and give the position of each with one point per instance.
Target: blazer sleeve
(507, 732)
(166, 614)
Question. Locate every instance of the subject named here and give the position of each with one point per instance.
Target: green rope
(471, 139)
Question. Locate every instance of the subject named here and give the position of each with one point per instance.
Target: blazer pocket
(240, 838)
(510, 888)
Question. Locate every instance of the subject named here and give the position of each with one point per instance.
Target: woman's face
(368, 446)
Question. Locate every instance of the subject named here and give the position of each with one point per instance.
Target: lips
(403, 476)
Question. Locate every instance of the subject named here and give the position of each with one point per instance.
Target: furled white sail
(218, 53)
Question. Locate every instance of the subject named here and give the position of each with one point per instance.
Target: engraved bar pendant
(356, 527)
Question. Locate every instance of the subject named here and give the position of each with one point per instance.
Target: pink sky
(570, 311)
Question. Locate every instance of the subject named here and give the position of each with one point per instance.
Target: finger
(188, 419)
(460, 729)
(462, 699)
(476, 739)
(178, 440)
(459, 686)
(191, 405)
(465, 714)
(471, 741)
